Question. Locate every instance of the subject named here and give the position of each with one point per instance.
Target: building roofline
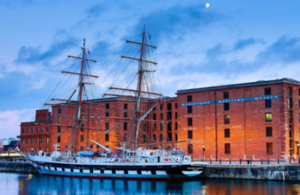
(283, 80)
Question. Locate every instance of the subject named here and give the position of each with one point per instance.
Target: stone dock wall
(261, 172)
(20, 167)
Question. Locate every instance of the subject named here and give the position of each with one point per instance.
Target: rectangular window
(226, 95)
(268, 117)
(189, 98)
(125, 114)
(176, 137)
(290, 103)
(154, 127)
(144, 138)
(37, 129)
(23, 141)
(170, 137)
(58, 139)
(290, 116)
(59, 110)
(161, 116)
(175, 105)
(290, 131)
(154, 108)
(169, 115)
(125, 106)
(227, 133)
(161, 107)
(299, 92)
(268, 103)
(125, 126)
(106, 106)
(81, 148)
(161, 137)
(32, 130)
(23, 130)
(190, 134)
(176, 126)
(28, 130)
(176, 116)
(42, 129)
(226, 106)
(82, 127)
(190, 148)
(47, 129)
(154, 137)
(227, 148)
(42, 140)
(289, 91)
(154, 116)
(269, 148)
(190, 109)
(190, 122)
(59, 119)
(269, 131)
(145, 127)
(107, 114)
(27, 141)
(58, 129)
(226, 119)
(268, 91)
(107, 126)
(125, 137)
(169, 126)
(37, 140)
(161, 126)
(106, 137)
(47, 140)
(169, 106)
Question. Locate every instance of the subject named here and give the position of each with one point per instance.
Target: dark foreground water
(14, 183)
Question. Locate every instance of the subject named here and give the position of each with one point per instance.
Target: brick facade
(248, 135)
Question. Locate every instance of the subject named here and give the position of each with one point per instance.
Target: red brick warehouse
(249, 120)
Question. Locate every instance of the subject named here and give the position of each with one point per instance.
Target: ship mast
(141, 89)
(83, 73)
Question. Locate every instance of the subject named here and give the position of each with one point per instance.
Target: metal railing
(247, 161)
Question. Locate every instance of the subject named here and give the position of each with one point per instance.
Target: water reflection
(12, 183)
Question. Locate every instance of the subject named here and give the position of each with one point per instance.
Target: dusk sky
(226, 42)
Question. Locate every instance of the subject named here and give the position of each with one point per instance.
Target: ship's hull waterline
(124, 171)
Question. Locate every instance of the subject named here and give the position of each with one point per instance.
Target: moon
(206, 4)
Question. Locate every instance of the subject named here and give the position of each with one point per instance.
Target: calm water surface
(14, 183)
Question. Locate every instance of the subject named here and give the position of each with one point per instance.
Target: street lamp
(203, 149)
(298, 145)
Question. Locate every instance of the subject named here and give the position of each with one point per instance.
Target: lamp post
(298, 145)
(203, 148)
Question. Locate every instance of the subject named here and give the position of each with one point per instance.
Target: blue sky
(228, 42)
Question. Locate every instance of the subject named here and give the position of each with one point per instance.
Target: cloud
(284, 50)
(243, 43)
(33, 55)
(11, 119)
(176, 20)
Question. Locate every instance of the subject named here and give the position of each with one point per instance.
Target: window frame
(227, 148)
(268, 120)
(226, 94)
(227, 133)
(268, 91)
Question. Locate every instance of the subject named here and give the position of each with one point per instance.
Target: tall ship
(136, 154)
